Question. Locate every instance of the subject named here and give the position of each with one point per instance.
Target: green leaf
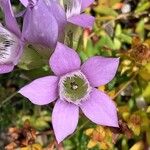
(125, 38)
(105, 41)
(106, 11)
(118, 30)
(83, 56)
(145, 72)
(117, 44)
(146, 91)
(140, 28)
(142, 7)
(90, 48)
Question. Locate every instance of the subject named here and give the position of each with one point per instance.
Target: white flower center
(9, 46)
(74, 87)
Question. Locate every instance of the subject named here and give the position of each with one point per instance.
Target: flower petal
(64, 119)
(26, 2)
(11, 47)
(100, 70)
(43, 32)
(83, 20)
(60, 16)
(86, 3)
(41, 91)
(64, 60)
(6, 68)
(10, 19)
(100, 109)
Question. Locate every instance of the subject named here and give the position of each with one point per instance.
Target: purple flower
(74, 86)
(11, 46)
(45, 20)
(74, 9)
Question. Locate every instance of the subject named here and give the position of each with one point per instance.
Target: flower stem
(125, 86)
(8, 99)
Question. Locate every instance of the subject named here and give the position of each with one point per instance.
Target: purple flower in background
(74, 86)
(74, 9)
(11, 46)
(44, 22)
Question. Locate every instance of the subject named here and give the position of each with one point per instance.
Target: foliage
(122, 29)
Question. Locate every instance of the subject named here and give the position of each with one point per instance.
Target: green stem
(125, 86)
(8, 99)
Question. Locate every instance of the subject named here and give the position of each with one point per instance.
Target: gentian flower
(11, 46)
(45, 20)
(43, 23)
(74, 86)
(74, 9)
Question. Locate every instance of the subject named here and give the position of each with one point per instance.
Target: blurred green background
(122, 29)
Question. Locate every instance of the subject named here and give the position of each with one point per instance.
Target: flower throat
(74, 87)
